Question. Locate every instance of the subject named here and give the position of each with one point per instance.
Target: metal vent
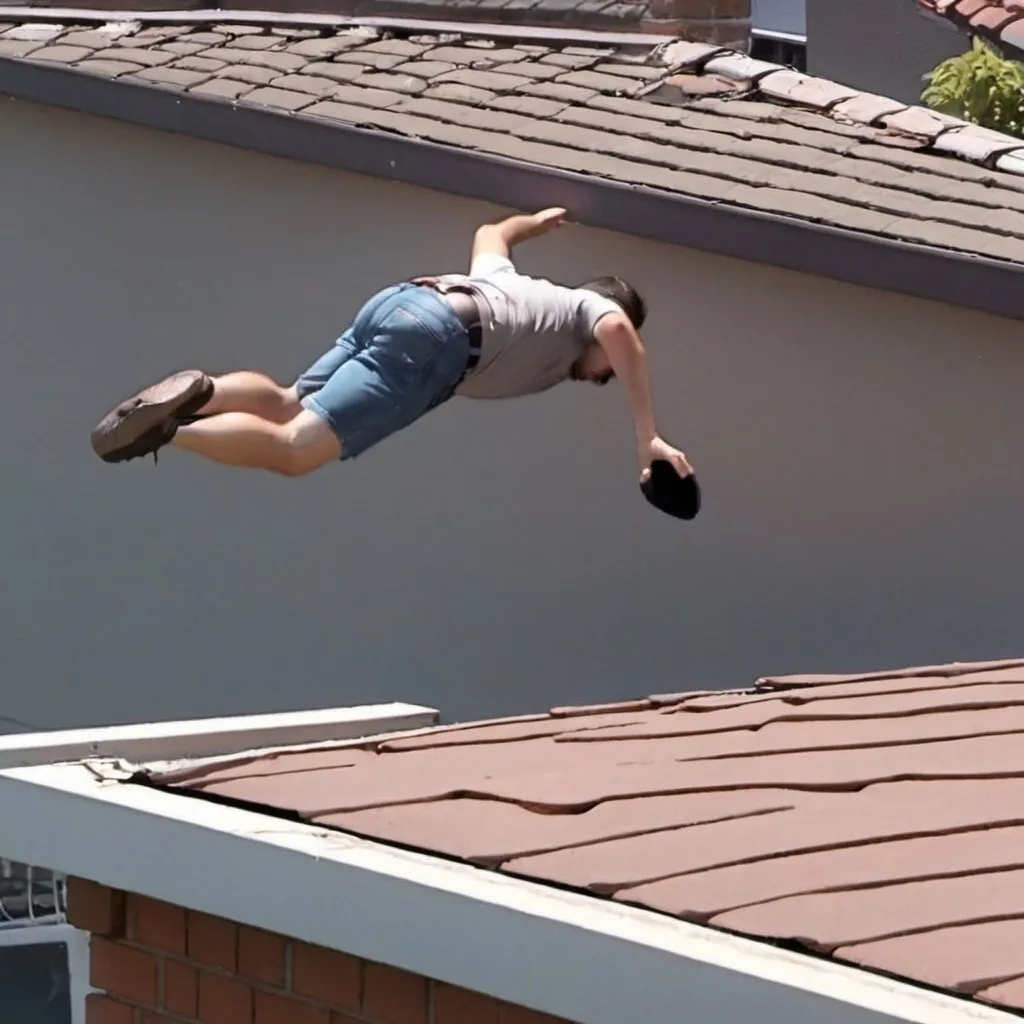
(30, 895)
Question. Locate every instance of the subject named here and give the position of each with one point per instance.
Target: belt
(466, 308)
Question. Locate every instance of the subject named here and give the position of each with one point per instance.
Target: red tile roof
(874, 818)
(1001, 21)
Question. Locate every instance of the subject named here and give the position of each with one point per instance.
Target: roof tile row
(875, 818)
(685, 119)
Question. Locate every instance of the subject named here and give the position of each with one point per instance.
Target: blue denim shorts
(403, 355)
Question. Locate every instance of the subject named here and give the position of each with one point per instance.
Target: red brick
(733, 33)
(159, 924)
(96, 908)
(224, 1000)
(261, 956)
(123, 971)
(326, 975)
(391, 996)
(100, 1009)
(157, 1018)
(212, 941)
(458, 1005)
(181, 989)
(274, 1009)
(344, 1018)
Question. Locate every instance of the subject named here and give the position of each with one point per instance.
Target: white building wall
(859, 453)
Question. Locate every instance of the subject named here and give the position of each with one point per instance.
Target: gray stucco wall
(880, 46)
(859, 451)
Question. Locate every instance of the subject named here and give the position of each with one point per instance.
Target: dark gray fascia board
(824, 251)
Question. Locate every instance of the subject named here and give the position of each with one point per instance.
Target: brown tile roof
(679, 119)
(1000, 21)
(877, 819)
(598, 15)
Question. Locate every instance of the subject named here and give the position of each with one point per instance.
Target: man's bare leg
(244, 419)
(252, 392)
(300, 446)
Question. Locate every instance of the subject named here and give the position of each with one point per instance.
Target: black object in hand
(671, 493)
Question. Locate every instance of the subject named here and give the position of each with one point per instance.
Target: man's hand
(501, 238)
(549, 219)
(652, 451)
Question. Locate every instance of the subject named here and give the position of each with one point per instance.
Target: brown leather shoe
(143, 424)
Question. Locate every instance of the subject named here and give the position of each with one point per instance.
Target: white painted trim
(796, 38)
(571, 955)
(204, 737)
(77, 943)
(79, 950)
(36, 933)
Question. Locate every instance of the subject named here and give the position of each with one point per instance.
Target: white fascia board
(570, 955)
(206, 737)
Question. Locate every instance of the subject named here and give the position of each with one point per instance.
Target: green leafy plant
(981, 87)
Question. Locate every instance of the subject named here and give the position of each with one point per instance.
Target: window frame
(77, 943)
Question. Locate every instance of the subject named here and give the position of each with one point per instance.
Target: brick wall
(722, 22)
(155, 963)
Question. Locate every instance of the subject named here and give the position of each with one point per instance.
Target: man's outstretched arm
(500, 238)
(617, 336)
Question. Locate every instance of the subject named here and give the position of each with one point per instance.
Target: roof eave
(215, 737)
(822, 250)
(575, 956)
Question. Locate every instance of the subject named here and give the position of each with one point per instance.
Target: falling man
(493, 333)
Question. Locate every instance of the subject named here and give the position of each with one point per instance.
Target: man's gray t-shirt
(535, 331)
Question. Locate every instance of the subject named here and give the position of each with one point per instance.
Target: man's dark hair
(622, 294)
